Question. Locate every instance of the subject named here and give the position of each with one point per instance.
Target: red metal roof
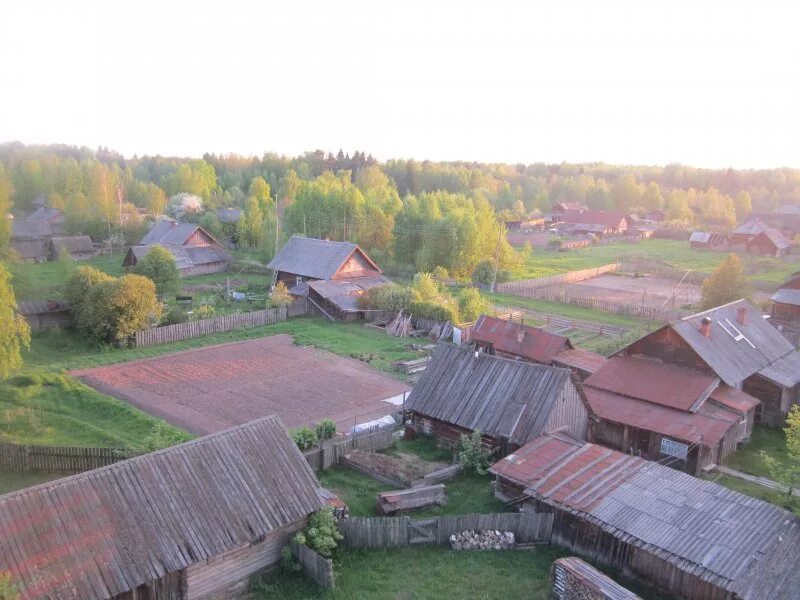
(734, 399)
(518, 339)
(581, 359)
(678, 424)
(654, 381)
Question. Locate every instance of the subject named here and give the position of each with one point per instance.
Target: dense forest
(420, 214)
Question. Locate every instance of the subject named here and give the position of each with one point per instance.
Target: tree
(787, 472)
(280, 296)
(14, 331)
(259, 188)
(626, 193)
(158, 266)
(183, 204)
(472, 456)
(472, 304)
(484, 271)
(5, 209)
(156, 200)
(77, 289)
(743, 205)
(726, 284)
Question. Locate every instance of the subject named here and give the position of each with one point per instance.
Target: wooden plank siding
(316, 567)
(21, 458)
(569, 413)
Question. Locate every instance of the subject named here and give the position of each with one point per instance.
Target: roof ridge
(708, 310)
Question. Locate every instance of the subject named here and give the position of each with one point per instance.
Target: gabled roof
(721, 536)
(750, 227)
(21, 229)
(344, 293)
(595, 217)
(185, 256)
(104, 532)
(734, 351)
(40, 307)
(170, 233)
(521, 340)
(785, 371)
(503, 398)
(45, 213)
(73, 244)
(561, 206)
(581, 359)
(310, 257)
(654, 381)
(787, 297)
(775, 237)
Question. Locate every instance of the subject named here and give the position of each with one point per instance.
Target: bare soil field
(651, 290)
(217, 387)
(402, 466)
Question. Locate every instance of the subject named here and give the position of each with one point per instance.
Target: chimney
(705, 327)
(741, 315)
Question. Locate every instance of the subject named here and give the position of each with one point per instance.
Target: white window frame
(673, 448)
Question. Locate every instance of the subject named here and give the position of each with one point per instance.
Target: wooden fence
(316, 567)
(390, 532)
(330, 452)
(193, 329)
(522, 287)
(561, 322)
(19, 458)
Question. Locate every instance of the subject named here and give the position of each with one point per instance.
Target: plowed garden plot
(213, 388)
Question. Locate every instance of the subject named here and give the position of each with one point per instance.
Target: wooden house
(785, 311)
(46, 314)
(509, 401)
(510, 339)
(769, 242)
(196, 251)
(332, 275)
(709, 240)
(192, 521)
(736, 344)
(597, 222)
(30, 240)
(690, 538)
(77, 247)
(786, 218)
(679, 416)
(54, 218)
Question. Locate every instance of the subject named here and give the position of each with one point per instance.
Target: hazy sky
(706, 83)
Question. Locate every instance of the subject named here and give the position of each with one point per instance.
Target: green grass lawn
(426, 447)
(356, 490)
(748, 457)
(11, 482)
(760, 492)
(42, 281)
(45, 408)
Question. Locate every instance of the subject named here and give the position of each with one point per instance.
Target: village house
(596, 222)
(690, 538)
(54, 218)
(709, 240)
(509, 401)
(660, 411)
(76, 247)
(756, 237)
(736, 344)
(786, 218)
(785, 314)
(191, 521)
(30, 240)
(196, 251)
(332, 275)
(510, 339)
(46, 314)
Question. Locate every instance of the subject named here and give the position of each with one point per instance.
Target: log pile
(400, 326)
(442, 331)
(483, 540)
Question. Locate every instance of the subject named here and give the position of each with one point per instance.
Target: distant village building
(332, 275)
(510, 339)
(54, 218)
(736, 344)
(708, 240)
(691, 538)
(196, 251)
(229, 216)
(596, 222)
(193, 521)
(77, 247)
(30, 240)
(758, 238)
(785, 314)
(786, 218)
(46, 314)
(510, 402)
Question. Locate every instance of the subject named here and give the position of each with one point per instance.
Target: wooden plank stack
(409, 499)
(400, 326)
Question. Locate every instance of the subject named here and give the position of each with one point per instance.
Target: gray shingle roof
(168, 233)
(72, 244)
(784, 371)
(104, 532)
(344, 293)
(310, 257)
(30, 229)
(732, 359)
(503, 398)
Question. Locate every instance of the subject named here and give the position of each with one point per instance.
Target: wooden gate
(423, 531)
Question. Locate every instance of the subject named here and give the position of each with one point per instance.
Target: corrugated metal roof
(344, 293)
(679, 424)
(581, 359)
(734, 399)
(503, 398)
(700, 236)
(734, 351)
(703, 528)
(518, 339)
(787, 297)
(777, 238)
(104, 532)
(654, 381)
(310, 257)
(785, 371)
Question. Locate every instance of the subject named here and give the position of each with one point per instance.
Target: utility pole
(496, 259)
(277, 223)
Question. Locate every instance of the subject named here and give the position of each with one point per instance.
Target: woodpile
(442, 331)
(393, 501)
(483, 540)
(400, 326)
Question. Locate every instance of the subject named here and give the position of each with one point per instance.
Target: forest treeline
(421, 214)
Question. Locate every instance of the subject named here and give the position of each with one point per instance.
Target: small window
(299, 280)
(743, 427)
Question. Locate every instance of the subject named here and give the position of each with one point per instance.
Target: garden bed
(401, 468)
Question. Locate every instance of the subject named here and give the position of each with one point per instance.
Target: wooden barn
(769, 242)
(510, 339)
(660, 411)
(709, 240)
(77, 247)
(736, 344)
(30, 240)
(196, 252)
(509, 401)
(785, 312)
(53, 218)
(46, 314)
(192, 521)
(332, 275)
(690, 538)
(598, 222)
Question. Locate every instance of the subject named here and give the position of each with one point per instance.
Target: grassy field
(11, 482)
(41, 281)
(566, 310)
(760, 492)
(51, 409)
(673, 253)
(748, 457)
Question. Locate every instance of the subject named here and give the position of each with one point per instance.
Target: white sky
(706, 83)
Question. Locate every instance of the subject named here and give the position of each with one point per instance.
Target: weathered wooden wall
(330, 452)
(316, 567)
(215, 267)
(193, 329)
(388, 532)
(18, 458)
(570, 412)
(574, 579)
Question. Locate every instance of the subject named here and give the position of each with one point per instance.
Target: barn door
(422, 531)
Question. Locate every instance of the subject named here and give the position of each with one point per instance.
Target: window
(298, 280)
(743, 427)
(673, 448)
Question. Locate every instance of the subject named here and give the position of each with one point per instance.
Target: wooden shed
(509, 401)
(77, 247)
(188, 522)
(46, 314)
(690, 538)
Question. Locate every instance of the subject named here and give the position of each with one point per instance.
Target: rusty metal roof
(734, 399)
(519, 339)
(735, 541)
(104, 532)
(310, 257)
(654, 381)
(581, 359)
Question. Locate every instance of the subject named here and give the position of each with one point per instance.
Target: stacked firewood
(400, 326)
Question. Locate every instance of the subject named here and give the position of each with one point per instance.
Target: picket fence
(392, 532)
(520, 288)
(316, 567)
(330, 452)
(646, 313)
(19, 458)
(193, 329)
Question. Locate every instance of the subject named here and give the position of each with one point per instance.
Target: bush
(484, 271)
(305, 438)
(435, 312)
(288, 563)
(556, 243)
(504, 276)
(204, 311)
(471, 305)
(326, 429)
(321, 534)
(471, 454)
(158, 265)
(175, 316)
(8, 591)
(392, 297)
(163, 436)
(280, 296)
(440, 274)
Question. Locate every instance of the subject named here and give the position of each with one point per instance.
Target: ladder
(274, 280)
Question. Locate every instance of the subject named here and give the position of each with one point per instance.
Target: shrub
(435, 312)
(204, 311)
(8, 591)
(471, 454)
(163, 436)
(175, 316)
(326, 429)
(288, 563)
(321, 534)
(556, 243)
(280, 296)
(484, 271)
(472, 304)
(158, 265)
(440, 274)
(305, 438)
(392, 297)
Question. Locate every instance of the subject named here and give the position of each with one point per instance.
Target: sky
(704, 83)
